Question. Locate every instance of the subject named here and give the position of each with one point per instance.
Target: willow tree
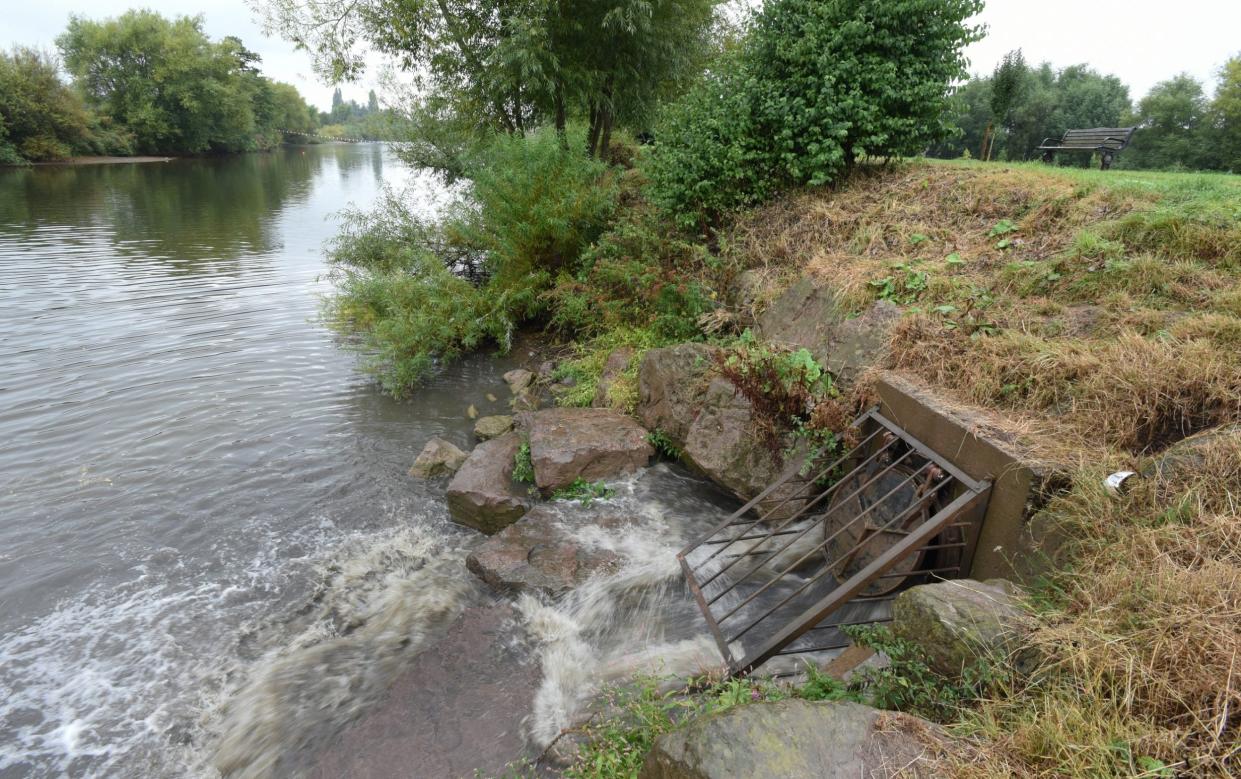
(510, 64)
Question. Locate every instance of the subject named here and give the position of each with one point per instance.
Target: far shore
(104, 160)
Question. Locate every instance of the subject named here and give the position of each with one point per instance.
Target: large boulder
(541, 553)
(958, 622)
(487, 428)
(723, 445)
(616, 364)
(482, 495)
(791, 739)
(1187, 457)
(670, 386)
(567, 444)
(437, 458)
(810, 316)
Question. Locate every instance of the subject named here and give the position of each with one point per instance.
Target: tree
(171, 86)
(1226, 117)
(1174, 123)
(816, 87)
(1049, 102)
(508, 66)
(42, 117)
(1008, 85)
(372, 102)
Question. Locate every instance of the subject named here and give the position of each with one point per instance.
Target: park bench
(1107, 141)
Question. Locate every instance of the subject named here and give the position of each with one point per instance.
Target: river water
(211, 555)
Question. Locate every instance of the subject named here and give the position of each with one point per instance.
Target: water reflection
(181, 211)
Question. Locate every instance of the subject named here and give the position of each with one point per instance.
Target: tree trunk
(561, 119)
(606, 115)
(984, 153)
(592, 138)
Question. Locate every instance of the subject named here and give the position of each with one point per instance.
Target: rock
(1188, 456)
(526, 400)
(670, 386)
(616, 364)
(471, 412)
(491, 397)
(547, 371)
(540, 553)
(957, 622)
(861, 342)
(519, 380)
(722, 445)
(487, 428)
(481, 495)
(807, 315)
(438, 458)
(567, 444)
(791, 739)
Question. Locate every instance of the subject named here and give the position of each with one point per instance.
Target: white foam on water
(129, 679)
(379, 605)
(629, 621)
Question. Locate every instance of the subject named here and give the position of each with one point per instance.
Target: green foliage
(534, 206)
(411, 319)
(584, 492)
(908, 684)
(640, 275)
(789, 393)
(523, 466)
(508, 67)
(904, 286)
(665, 447)
(40, 117)
(1044, 103)
(174, 89)
(1174, 122)
(421, 292)
(815, 87)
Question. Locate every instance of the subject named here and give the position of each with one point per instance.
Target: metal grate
(887, 514)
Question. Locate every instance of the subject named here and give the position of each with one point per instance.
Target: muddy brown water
(211, 555)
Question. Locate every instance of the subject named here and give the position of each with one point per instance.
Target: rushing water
(211, 555)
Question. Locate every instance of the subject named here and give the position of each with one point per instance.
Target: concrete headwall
(1020, 484)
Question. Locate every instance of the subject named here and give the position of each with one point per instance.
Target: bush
(534, 205)
(709, 156)
(639, 275)
(413, 318)
(421, 292)
(816, 86)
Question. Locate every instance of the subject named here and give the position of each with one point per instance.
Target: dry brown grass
(1103, 327)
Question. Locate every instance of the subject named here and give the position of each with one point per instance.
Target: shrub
(534, 205)
(641, 275)
(413, 318)
(421, 292)
(816, 86)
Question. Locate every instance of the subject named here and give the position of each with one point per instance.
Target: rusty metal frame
(725, 566)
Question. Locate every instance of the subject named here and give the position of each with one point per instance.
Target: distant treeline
(1018, 105)
(145, 84)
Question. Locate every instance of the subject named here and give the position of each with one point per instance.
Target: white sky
(1140, 41)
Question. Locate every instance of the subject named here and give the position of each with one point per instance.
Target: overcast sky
(1140, 41)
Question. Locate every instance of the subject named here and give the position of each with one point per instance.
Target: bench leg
(1105, 161)
(1049, 157)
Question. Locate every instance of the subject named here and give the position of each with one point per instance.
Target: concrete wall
(960, 435)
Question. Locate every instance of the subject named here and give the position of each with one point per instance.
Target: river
(211, 554)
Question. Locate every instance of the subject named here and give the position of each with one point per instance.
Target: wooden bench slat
(1107, 140)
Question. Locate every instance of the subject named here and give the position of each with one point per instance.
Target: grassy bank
(1098, 317)
(1097, 314)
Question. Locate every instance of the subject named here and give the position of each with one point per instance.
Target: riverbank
(1091, 319)
(103, 160)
